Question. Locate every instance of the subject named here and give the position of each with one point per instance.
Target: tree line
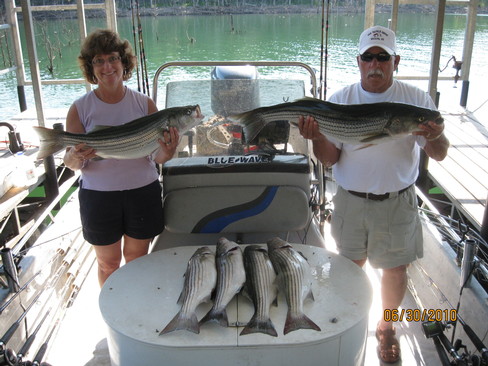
(152, 4)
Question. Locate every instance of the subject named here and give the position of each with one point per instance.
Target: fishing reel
(8, 357)
(435, 330)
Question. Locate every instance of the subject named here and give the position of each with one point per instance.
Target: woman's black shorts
(107, 216)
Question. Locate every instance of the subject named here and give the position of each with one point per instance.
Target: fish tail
(219, 316)
(300, 321)
(252, 123)
(50, 140)
(182, 322)
(256, 325)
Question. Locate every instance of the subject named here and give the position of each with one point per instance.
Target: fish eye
(421, 119)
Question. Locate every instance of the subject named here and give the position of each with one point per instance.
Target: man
(375, 209)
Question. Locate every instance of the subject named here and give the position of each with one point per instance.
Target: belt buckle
(393, 194)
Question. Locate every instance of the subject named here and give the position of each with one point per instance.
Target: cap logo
(378, 35)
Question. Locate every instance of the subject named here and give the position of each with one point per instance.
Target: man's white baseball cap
(378, 36)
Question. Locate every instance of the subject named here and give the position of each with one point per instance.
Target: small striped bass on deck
(261, 289)
(231, 276)
(353, 124)
(200, 281)
(135, 139)
(295, 280)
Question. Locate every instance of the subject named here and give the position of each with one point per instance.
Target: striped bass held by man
(353, 124)
(132, 140)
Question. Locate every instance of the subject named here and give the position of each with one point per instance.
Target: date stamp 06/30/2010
(418, 315)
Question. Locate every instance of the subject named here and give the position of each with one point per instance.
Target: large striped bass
(200, 280)
(353, 124)
(295, 280)
(231, 276)
(131, 140)
(261, 288)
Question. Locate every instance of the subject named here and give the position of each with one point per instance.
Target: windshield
(221, 98)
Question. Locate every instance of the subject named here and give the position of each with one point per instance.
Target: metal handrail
(313, 78)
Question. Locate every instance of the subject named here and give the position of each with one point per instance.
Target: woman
(119, 199)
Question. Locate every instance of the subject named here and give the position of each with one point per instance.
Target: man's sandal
(388, 345)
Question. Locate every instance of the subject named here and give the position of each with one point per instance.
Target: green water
(254, 37)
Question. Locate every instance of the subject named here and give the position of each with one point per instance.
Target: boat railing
(310, 70)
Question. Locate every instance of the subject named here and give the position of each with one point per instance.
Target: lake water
(295, 37)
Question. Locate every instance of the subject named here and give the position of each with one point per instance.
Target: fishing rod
(435, 329)
(322, 33)
(142, 53)
(324, 53)
(470, 264)
(326, 56)
(37, 361)
(14, 296)
(21, 289)
(7, 356)
(28, 343)
(135, 45)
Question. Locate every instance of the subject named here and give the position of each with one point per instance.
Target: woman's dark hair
(103, 42)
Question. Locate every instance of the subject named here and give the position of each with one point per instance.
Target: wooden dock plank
(463, 175)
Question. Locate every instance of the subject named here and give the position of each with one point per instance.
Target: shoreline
(250, 9)
(290, 9)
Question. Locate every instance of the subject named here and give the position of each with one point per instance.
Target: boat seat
(238, 194)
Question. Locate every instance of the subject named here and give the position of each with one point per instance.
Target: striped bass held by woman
(134, 139)
(354, 124)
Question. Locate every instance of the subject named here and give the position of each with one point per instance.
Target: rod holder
(10, 270)
(467, 263)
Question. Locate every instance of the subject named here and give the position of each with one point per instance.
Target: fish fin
(364, 146)
(50, 141)
(99, 128)
(219, 316)
(252, 123)
(256, 325)
(275, 301)
(181, 322)
(310, 296)
(181, 297)
(303, 255)
(375, 137)
(301, 321)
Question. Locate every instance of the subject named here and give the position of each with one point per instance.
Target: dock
(15, 192)
(463, 175)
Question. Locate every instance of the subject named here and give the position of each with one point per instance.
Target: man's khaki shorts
(388, 233)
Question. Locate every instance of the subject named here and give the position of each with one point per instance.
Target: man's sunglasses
(381, 57)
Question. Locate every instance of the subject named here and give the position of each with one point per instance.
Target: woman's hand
(168, 144)
(76, 156)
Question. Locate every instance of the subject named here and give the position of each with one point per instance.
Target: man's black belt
(379, 197)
